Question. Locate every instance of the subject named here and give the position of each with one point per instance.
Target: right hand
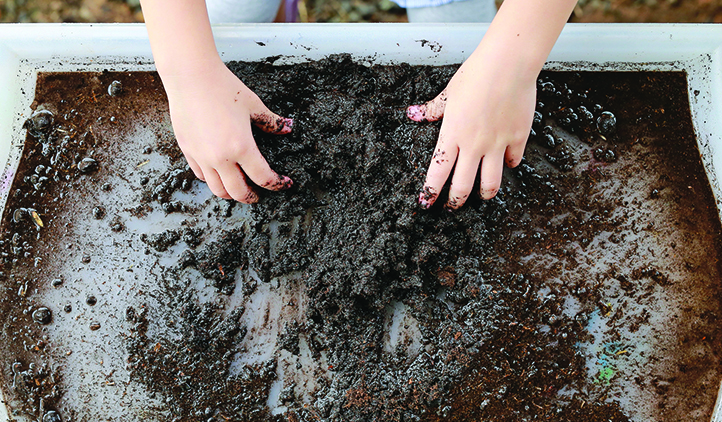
(212, 111)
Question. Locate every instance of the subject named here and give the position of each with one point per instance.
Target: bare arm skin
(488, 105)
(211, 109)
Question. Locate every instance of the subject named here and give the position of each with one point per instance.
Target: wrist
(182, 74)
(502, 61)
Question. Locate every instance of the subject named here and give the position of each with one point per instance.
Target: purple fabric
(291, 10)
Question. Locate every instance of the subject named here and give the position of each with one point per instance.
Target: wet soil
(587, 290)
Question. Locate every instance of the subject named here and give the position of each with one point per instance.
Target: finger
(462, 182)
(236, 184)
(257, 169)
(270, 122)
(196, 168)
(441, 164)
(514, 153)
(492, 168)
(213, 180)
(430, 111)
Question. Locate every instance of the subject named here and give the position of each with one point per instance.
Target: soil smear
(586, 290)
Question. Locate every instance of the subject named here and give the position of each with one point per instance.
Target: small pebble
(39, 122)
(52, 416)
(68, 308)
(606, 123)
(91, 300)
(548, 141)
(115, 88)
(605, 155)
(94, 326)
(548, 88)
(19, 215)
(87, 165)
(42, 316)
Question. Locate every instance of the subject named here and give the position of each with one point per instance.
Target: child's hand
(212, 111)
(488, 111)
(488, 106)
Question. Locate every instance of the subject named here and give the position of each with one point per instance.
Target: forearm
(523, 33)
(180, 37)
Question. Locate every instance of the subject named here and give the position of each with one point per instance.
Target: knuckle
(461, 188)
(519, 137)
(429, 193)
(236, 151)
(220, 192)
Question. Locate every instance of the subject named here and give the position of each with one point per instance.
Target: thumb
(430, 111)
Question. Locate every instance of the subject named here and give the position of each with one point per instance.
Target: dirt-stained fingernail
(278, 183)
(423, 202)
(287, 125)
(427, 197)
(286, 183)
(416, 113)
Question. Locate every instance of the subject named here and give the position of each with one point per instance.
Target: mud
(587, 290)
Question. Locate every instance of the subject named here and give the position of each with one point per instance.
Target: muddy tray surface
(587, 290)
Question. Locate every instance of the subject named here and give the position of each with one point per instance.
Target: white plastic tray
(28, 49)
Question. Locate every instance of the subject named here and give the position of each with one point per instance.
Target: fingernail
(286, 183)
(423, 202)
(451, 205)
(287, 126)
(415, 113)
